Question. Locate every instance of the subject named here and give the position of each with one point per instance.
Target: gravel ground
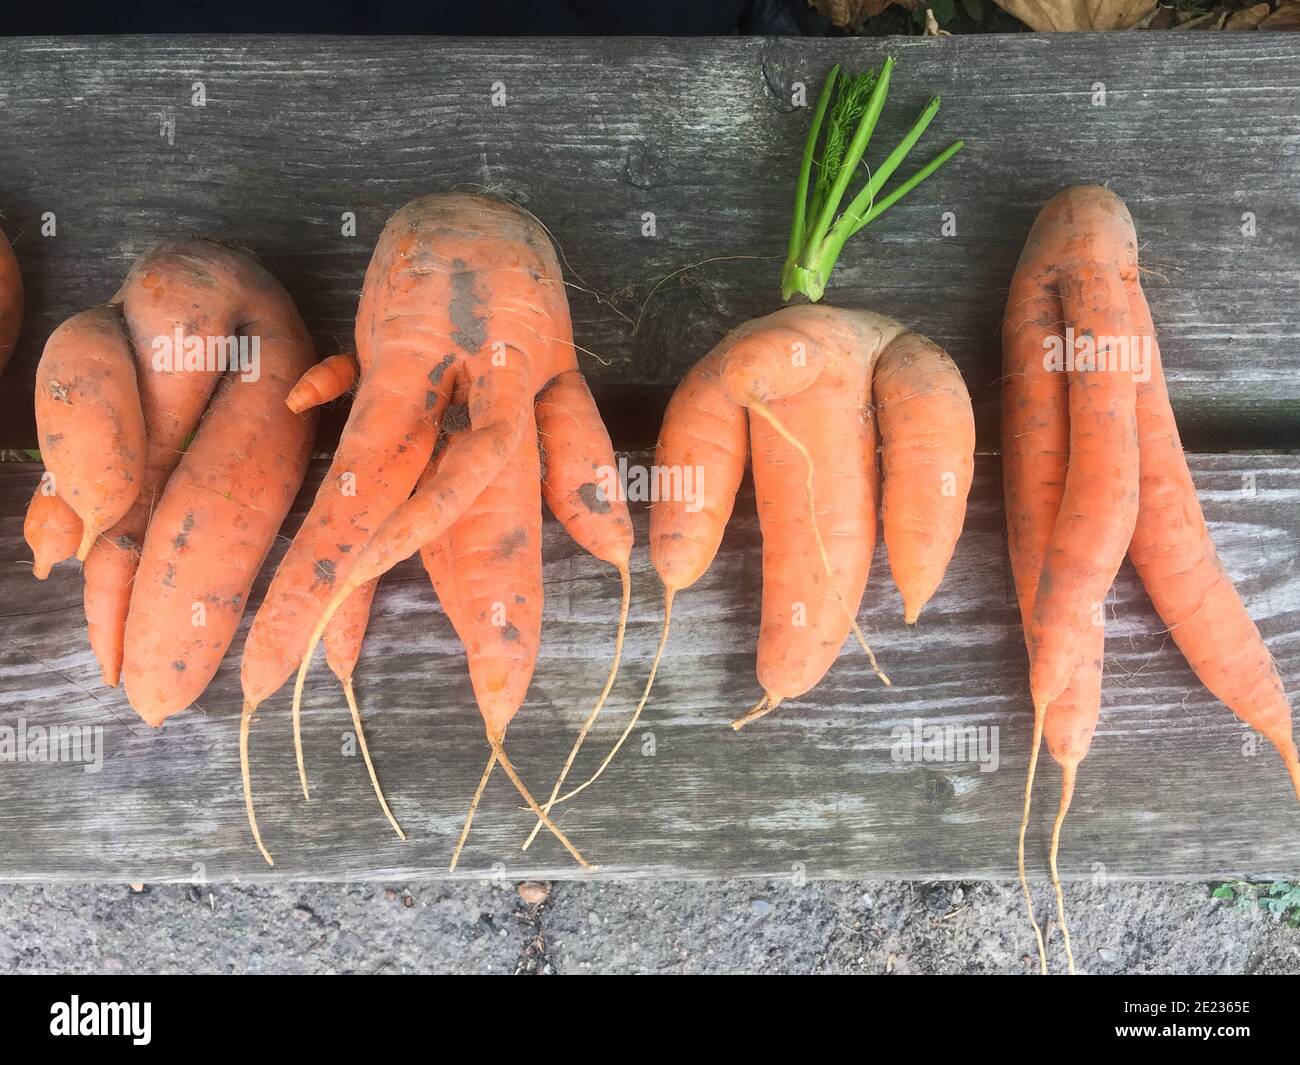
(628, 927)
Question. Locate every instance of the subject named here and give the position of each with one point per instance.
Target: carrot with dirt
(51, 528)
(11, 301)
(798, 392)
(88, 419)
(458, 286)
(168, 306)
(487, 572)
(215, 521)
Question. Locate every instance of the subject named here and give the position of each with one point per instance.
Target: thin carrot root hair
(1067, 793)
(625, 577)
(795, 443)
(636, 714)
(304, 667)
(542, 815)
(469, 814)
(245, 721)
(350, 695)
(761, 708)
(1040, 713)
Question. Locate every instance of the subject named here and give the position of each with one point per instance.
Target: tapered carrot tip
(761, 708)
(87, 542)
(40, 569)
(1293, 768)
(110, 677)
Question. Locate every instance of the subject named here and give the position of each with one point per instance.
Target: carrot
(457, 285)
(928, 430)
(1079, 269)
(1087, 238)
(51, 528)
(323, 382)
(704, 430)
(577, 487)
(487, 572)
(215, 522)
(803, 379)
(167, 303)
(1174, 555)
(346, 632)
(11, 301)
(89, 421)
(1035, 457)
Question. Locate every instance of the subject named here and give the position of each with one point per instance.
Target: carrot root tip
(245, 723)
(87, 542)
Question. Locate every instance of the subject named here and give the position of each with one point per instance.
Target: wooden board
(814, 790)
(1196, 131)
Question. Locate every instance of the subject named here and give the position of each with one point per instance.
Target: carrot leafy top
(817, 236)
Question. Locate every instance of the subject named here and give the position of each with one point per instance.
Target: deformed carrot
(458, 286)
(51, 528)
(218, 516)
(323, 382)
(88, 419)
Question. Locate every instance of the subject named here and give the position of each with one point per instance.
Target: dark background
(469, 17)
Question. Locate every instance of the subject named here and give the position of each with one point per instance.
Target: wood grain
(1196, 131)
(812, 790)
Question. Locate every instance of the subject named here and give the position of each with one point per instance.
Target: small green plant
(849, 107)
(1281, 898)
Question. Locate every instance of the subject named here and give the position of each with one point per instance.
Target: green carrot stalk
(848, 109)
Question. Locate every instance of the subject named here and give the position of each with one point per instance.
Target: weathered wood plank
(814, 788)
(1196, 131)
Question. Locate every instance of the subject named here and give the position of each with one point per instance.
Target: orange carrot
(487, 571)
(580, 487)
(11, 301)
(215, 522)
(1087, 240)
(167, 303)
(803, 378)
(457, 285)
(88, 419)
(323, 382)
(1174, 555)
(51, 528)
(1035, 457)
(928, 430)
